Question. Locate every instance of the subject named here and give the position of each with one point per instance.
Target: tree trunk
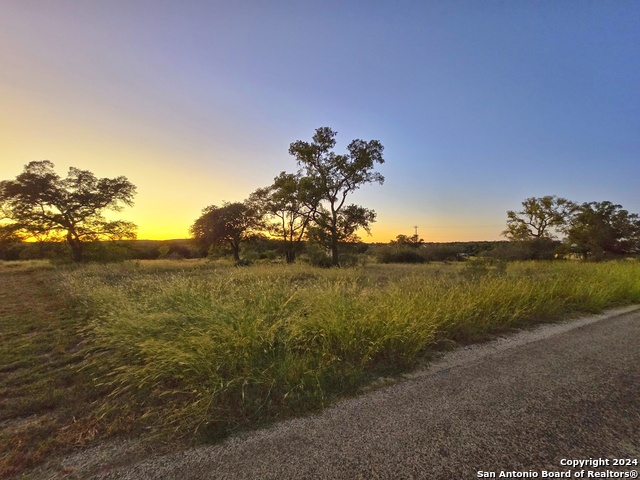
(335, 257)
(235, 246)
(290, 255)
(76, 247)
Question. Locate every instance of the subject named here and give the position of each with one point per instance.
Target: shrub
(536, 249)
(318, 256)
(391, 254)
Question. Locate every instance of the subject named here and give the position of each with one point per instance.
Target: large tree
(40, 204)
(288, 208)
(539, 218)
(230, 224)
(597, 229)
(336, 177)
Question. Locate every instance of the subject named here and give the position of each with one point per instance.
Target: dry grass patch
(45, 402)
(213, 348)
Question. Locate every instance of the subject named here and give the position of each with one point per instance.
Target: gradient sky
(479, 104)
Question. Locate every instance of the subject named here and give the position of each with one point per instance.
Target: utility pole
(416, 229)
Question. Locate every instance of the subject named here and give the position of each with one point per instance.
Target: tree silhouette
(337, 176)
(230, 224)
(39, 204)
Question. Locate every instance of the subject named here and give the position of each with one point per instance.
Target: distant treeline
(101, 251)
(265, 250)
(260, 250)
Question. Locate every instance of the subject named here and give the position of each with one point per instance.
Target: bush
(44, 250)
(244, 262)
(107, 252)
(318, 258)
(444, 252)
(537, 249)
(391, 254)
(10, 251)
(145, 252)
(482, 267)
(175, 251)
(351, 260)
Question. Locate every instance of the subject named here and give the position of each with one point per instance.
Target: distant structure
(415, 227)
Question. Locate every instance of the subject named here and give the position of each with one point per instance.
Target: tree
(337, 176)
(39, 204)
(230, 224)
(288, 207)
(600, 228)
(539, 218)
(404, 240)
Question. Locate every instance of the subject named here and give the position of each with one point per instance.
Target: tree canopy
(598, 229)
(539, 218)
(405, 240)
(287, 207)
(593, 229)
(40, 204)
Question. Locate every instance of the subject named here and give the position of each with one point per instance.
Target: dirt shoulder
(38, 372)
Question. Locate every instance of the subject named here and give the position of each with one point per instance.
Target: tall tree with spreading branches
(539, 218)
(40, 204)
(336, 177)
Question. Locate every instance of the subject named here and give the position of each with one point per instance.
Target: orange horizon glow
(380, 234)
(439, 235)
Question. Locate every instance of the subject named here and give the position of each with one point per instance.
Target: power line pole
(416, 229)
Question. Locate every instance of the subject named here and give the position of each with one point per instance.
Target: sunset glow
(478, 105)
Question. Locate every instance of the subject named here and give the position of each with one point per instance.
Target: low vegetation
(196, 349)
(214, 348)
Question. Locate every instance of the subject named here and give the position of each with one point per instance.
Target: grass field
(198, 350)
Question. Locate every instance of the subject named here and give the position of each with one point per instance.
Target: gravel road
(521, 403)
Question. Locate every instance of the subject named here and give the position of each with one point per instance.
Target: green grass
(193, 350)
(210, 348)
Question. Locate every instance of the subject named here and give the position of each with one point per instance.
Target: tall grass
(211, 349)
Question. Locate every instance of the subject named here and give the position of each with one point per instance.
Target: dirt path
(43, 398)
(30, 327)
(521, 403)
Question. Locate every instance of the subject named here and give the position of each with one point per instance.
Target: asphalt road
(524, 403)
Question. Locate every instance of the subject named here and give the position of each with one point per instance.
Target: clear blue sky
(479, 104)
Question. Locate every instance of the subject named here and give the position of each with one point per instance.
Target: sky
(479, 104)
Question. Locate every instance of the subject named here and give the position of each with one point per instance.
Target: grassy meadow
(199, 349)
